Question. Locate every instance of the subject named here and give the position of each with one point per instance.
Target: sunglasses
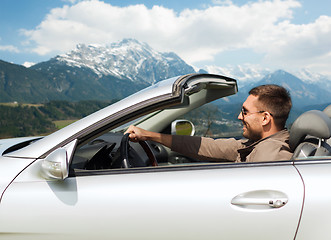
(245, 112)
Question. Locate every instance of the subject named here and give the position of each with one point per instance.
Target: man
(263, 115)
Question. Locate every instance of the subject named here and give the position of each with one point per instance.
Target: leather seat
(309, 134)
(327, 111)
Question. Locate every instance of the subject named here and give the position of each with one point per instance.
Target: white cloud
(195, 35)
(222, 2)
(70, 1)
(9, 48)
(298, 46)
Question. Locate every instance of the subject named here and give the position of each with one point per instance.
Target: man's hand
(139, 134)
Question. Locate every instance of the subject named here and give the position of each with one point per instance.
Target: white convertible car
(86, 182)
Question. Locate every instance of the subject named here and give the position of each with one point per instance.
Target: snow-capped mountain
(249, 73)
(314, 78)
(245, 74)
(302, 93)
(309, 76)
(114, 71)
(128, 59)
(108, 72)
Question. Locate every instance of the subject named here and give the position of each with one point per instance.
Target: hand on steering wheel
(125, 148)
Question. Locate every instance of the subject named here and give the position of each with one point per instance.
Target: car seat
(327, 111)
(309, 134)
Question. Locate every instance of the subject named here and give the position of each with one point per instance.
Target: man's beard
(250, 134)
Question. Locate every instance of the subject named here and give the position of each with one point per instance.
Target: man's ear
(266, 118)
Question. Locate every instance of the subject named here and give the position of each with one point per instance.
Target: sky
(267, 34)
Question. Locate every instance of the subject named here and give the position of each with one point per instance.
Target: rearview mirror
(182, 127)
(55, 165)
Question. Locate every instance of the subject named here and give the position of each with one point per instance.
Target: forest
(19, 120)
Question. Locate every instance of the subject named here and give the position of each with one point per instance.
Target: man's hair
(275, 100)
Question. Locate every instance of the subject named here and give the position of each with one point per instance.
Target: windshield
(136, 121)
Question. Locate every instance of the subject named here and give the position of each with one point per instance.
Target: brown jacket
(272, 148)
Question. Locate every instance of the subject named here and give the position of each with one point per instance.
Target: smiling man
(263, 114)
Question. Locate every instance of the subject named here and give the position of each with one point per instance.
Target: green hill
(39, 85)
(18, 120)
(21, 84)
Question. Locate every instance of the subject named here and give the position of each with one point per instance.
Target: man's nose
(240, 116)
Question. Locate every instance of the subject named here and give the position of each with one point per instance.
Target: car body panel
(165, 203)
(316, 215)
(10, 168)
(10, 142)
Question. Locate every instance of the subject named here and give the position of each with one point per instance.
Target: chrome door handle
(275, 203)
(268, 198)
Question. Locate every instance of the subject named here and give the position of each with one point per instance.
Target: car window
(135, 121)
(103, 151)
(210, 121)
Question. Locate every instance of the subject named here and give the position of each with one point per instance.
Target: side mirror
(182, 127)
(55, 165)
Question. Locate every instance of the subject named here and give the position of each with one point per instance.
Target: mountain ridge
(114, 71)
(303, 94)
(127, 59)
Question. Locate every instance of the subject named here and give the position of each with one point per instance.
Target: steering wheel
(101, 159)
(125, 150)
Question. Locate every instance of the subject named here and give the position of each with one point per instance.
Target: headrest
(327, 111)
(314, 123)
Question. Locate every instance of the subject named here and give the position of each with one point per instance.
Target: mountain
(302, 93)
(305, 96)
(114, 71)
(128, 59)
(249, 73)
(18, 83)
(314, 78)
(244, 74)
(90, 72)
(81, 83)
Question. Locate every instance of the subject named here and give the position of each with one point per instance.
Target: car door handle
(268, 198)
(275, 203)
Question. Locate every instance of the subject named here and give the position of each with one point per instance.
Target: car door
(198, 201)
(316, 215)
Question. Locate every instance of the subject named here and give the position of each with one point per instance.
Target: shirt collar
(281, 135)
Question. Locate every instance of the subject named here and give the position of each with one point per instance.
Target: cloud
(70, 1)
(194, 34)
(9, 48)
(298, 45)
